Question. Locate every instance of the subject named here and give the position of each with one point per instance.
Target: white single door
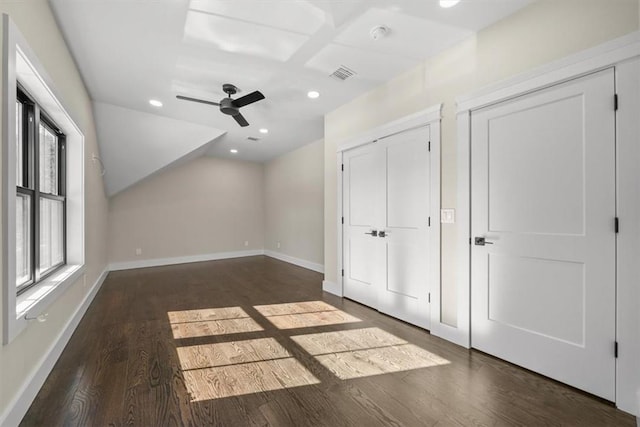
(543, 197)
(403, 288)
(386, 204)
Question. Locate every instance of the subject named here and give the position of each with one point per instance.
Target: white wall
(538, 34)
(206, 206)
(211, 206)
(20, 359)
(294, 199)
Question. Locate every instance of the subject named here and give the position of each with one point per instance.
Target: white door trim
(428, 116)
(431, 117)
(573, 66)
(609, 54)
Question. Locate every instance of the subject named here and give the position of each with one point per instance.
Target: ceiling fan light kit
(229, 106)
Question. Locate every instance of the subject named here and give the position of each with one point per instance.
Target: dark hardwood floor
(141, 356)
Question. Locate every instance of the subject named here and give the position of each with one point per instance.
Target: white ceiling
(132, 51)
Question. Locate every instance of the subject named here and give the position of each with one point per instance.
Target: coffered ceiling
(132, 51)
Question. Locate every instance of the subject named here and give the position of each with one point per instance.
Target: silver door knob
(481, 241)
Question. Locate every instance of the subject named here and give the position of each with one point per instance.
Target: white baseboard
(296, 261)
(30, 388)
(128, 265)
(332, 288)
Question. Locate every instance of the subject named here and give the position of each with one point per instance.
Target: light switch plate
(448, 216)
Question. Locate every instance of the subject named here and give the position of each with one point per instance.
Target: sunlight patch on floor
(293, 308)
(230, 353)
(309, 320)
(235, 368)
(200, 315)
(305, 314)
(214, 327)
(365, 352)
(352, 339)
(246, 378)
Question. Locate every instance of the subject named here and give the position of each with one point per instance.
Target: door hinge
(615, 349)
(429, 297)
(615, 102)
(617, 225)
(429, 145)
(469, 240)
(343, 167)
(429, 222)
(343, 272)
(343, 220)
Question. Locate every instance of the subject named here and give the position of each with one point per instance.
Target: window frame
(33, 118)
(20, 63)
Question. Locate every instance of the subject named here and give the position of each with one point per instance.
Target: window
(42, 245)
(40, 194)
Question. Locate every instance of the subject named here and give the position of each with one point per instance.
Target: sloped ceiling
(143, 143)
(132, 51)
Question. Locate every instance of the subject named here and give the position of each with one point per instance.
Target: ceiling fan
(230, 106)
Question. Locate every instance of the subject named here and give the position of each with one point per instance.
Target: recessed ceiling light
(155, 103)
(313, 94)
(233, 150)
(448, 3)
(264, 130)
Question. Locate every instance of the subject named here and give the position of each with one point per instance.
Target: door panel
(519, 286)
(405, 291)
(361, 253)
(543, 193)
(406, 270)
(549, 139)
(362, 205)
(407, 173)
(362, 182)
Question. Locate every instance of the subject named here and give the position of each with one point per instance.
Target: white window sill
(35, 301)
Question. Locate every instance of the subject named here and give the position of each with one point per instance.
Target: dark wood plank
(121, 366)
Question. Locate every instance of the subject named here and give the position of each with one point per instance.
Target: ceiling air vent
(253, 138)
(343, 73)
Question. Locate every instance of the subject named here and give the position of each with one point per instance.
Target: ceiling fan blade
(248, 99)
(241, 120)
(202, 101)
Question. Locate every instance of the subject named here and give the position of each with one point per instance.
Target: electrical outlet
(246, 243)
(278, 245)
(138, 251)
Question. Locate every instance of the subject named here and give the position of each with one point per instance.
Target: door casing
(624, 55)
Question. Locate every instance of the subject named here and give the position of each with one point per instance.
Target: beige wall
(540, 33)
(206, 206)
(20, 358)
(294, 199)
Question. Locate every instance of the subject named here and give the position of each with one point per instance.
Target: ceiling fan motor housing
(226, 106)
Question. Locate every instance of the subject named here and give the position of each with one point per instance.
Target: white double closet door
(543, 196)
(386, 205)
